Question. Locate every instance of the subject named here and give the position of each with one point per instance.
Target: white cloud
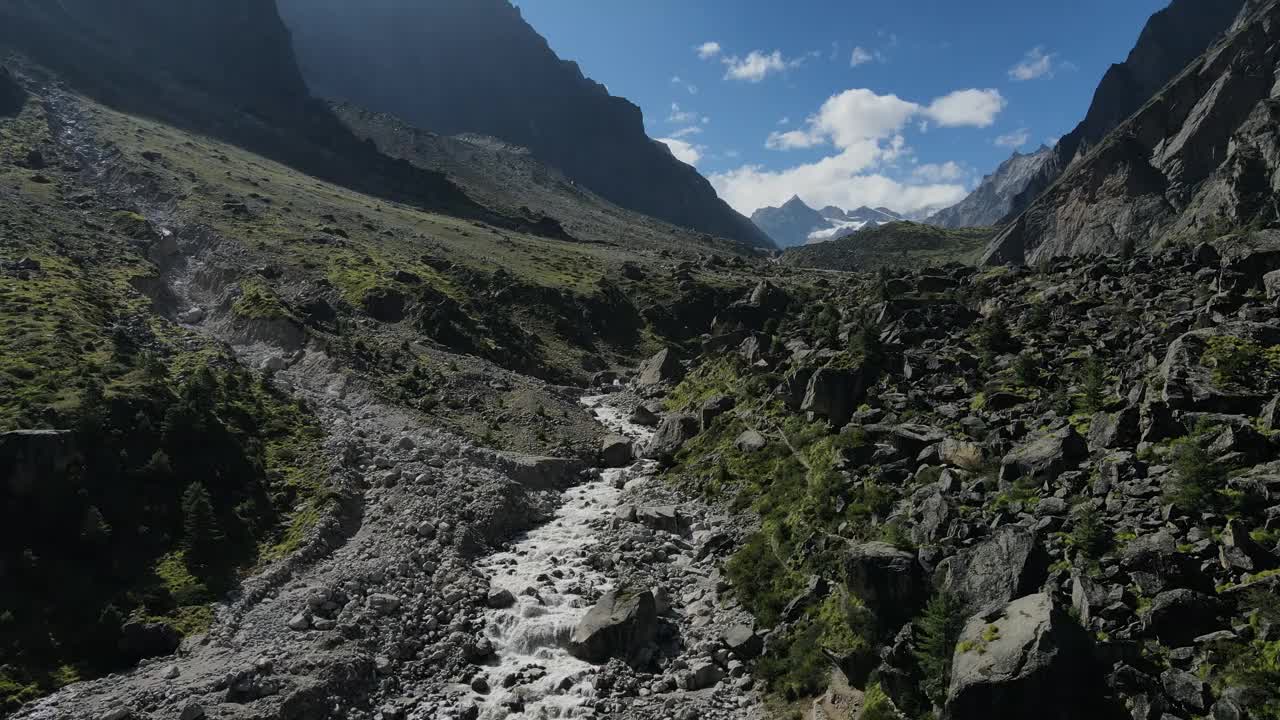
(949, 171)
(866, 130)
(861, 56)
(1013, 140)
(756, 66)
(683, 117)
(686, 131)
(786, 120)
(677, 80)
(1052, 140)
(838, 180)
(791, 140)
(967, 108)
(708, 50)
(1036, 63)
(685, 152)
(860, 114)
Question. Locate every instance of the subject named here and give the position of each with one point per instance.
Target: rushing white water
(554, 560)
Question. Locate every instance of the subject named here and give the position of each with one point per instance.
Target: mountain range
(475, 66)
(312, 409)
(795, 223)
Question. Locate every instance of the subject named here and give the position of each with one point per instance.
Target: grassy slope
(903, 244)
(77, 344)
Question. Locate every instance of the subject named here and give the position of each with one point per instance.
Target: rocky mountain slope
(1001, 493)
(1196, 160)
(1170, 40)
(511, 180)
(993, 199)
(795, 223)
(477, 67)
(899, 244)
(210, 357)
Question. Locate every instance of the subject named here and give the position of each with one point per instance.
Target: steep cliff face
(1171, 39)
(994, 197)
(236, 51)
(1201, 155)
(224, 68)
(475, 66)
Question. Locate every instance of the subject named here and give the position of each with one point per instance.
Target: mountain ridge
(398, 59)
(994, 198)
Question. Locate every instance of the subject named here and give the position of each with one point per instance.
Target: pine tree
(201, 535)
(1093, 379)
(939, 631)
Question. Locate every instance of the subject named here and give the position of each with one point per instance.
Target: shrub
(1093, 384)
(994, 336)
(1197, 478)
(876, 705)
(201, 535)
(938, 630)
(1090, 536)
(1026, 369)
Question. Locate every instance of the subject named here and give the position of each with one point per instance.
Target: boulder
(889, 581)
(1046, 457)
(1005, 567)
(541, 473)
(962, 454)
(714, 407)
(1188, 690)
(1113, 430)
(141, 640)
(621, 624)
(1271, 283)
(1012, 663)
(666, 518)
(672, 434)
(1177, 617)
(833, 394)
(750, 441)
(644, 417)
(616, 451)
(1189, 385)
(661, 368)
(909, 438)
(743, 642)
(499, 599)
(1154, 564)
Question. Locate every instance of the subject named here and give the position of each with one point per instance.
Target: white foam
(536, 630)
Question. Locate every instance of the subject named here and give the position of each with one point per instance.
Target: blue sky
(769, 99)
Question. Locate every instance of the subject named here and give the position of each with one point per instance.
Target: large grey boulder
(1025, 661)
(663, 367)
(621, 625)
(1190, 385)
(888, 580)
(616, 451)
(1046, 457)
(1176, 617)
(1113, 430)
(1154, 564)
(672, 434)
(833, 394)
(1007, 566)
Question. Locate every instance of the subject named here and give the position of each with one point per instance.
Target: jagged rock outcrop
(993, 199)
(405, 58)
(1197, 161)
(1171, 39)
